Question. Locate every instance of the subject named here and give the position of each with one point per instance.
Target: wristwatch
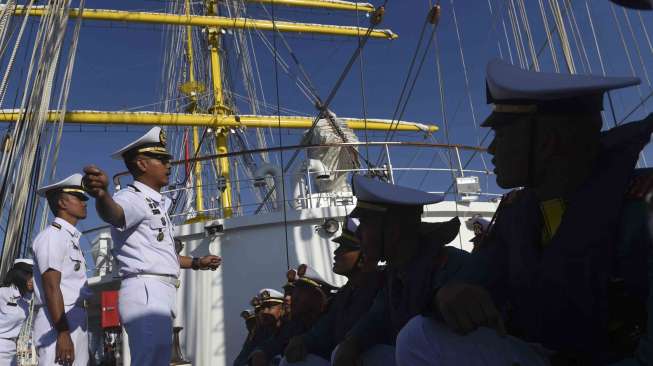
(195, 264)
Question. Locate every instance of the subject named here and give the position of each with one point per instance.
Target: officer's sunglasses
(163, 159)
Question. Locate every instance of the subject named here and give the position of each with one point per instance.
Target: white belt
(171, 279)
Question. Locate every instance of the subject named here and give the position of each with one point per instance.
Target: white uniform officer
(143, 239)
(60, 278)
(14, 307)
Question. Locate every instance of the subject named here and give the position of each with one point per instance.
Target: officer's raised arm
(95, 182)
(144, 245)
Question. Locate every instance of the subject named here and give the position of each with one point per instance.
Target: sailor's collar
(69, 228)
(15, 293)
(149, 192)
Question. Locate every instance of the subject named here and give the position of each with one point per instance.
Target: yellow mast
(221, 118)
(219, 109)
(192, 88)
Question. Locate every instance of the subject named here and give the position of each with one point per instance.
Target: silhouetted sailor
(309, 300)
(351, 302)
(417, 263)
(269, 309)
(544, 268)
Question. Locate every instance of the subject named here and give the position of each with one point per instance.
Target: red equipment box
(110, 315)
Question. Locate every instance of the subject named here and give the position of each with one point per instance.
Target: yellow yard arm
(321, 4)
(209, 120)
(215, 21)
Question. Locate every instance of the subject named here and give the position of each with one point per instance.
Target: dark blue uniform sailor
(351, 302)
(417, 263)
(546, 262)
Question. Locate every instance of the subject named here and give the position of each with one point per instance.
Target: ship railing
(258, 195)
(300, 184)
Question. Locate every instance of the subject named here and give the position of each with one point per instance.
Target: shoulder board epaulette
(133, 187)
(56, 225)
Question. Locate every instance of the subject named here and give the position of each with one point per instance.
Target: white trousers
(45, 336)
(425, 341)
(7, 352)
(147, 308)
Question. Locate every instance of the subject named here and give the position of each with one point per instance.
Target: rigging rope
(637, 49)
(283, 170)
(323, 109)
(627, 52)
(31, 124)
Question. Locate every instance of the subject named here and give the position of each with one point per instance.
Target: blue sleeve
(485, 266)
(372, 328)
(319, 339)
(455, 262)
(243, 356)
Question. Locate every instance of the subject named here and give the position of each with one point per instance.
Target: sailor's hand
(640, 186)
(211, 262)
(347, 353)
(296, 350)
(466, 307)
(65, 351)
(95, 181)
(258, 358)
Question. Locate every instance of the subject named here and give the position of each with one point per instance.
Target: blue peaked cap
(513, 90)
(635, 4)
(375, 196)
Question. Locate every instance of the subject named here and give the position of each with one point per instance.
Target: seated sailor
(350, 303)
(144, 246)
(268, 312)
(249, 316)
(539, 275)
(310, 296)
(15, 296)
(417, 263)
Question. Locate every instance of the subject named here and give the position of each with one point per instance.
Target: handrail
(117, 176)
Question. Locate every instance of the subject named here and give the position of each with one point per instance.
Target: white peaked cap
(153, 142)
(72, 184)
(477, 222)
(24, 260)
(274, 294)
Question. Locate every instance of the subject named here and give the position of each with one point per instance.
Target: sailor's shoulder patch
(56, 225)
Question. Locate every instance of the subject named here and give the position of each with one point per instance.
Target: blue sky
(118, 67)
